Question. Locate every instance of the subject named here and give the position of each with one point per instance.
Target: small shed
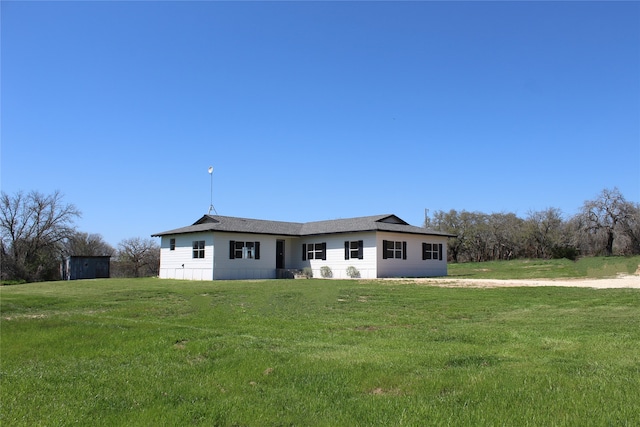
(85, 267)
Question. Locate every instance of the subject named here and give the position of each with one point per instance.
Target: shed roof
(388, 222)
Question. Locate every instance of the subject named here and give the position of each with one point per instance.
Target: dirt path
(627, 281)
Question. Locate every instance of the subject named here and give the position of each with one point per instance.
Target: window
(314, 251)
(198, 249)
(172, 244)
(432, 251)
(248, 251)
(354, 249)
(391, 249)
(244, 250)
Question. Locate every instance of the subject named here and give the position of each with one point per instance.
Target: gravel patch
(621, 281)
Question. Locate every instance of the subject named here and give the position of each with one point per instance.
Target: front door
(279, 253)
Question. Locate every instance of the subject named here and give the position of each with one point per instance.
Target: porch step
(290, 273)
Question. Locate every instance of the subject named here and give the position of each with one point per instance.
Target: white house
(222, 247)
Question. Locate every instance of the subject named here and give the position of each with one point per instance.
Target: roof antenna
(211, 208)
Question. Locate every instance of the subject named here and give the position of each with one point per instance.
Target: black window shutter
(424, 251)
(440, 251)
(304, 251)
(257, 250)
(404, 250)
(360, 249)
(324, 251)
(384, 249)
(346, 250)
(232, 249)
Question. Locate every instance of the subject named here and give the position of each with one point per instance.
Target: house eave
(300, 235)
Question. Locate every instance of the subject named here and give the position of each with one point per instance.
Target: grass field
(588, 267)
(316, 353)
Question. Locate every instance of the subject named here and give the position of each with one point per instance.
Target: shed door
(102, 269)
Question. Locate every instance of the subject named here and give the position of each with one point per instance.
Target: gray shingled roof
(258, 226)
(238, 225)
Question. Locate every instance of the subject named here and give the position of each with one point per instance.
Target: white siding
(335, 255)
(414, 265)
(180, 264)
(263, 268)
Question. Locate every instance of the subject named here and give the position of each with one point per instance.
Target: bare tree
(628, 242)
(480, 243)
(455, 223)
(603, 217)
(137, 257)
(606, 225)
(544, 232)
(476, 239)
(506, 231)
(33, 226)
(85, 244)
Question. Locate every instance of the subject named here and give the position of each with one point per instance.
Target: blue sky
(317, 110)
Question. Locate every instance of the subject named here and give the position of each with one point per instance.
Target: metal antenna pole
(211, 208)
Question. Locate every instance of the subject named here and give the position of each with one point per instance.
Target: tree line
(607, 225)
(38, 233)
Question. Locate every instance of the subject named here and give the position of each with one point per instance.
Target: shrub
(325, 271)
(353, 272)
(308, 271)
(568, 252)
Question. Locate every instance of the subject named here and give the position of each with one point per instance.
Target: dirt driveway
(626, 281)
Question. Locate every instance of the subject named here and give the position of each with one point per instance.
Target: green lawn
(588, 267)
(316, 353)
